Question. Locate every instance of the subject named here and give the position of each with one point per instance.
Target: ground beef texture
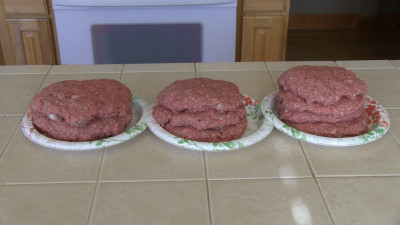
(201, 109)
(85, 110)
(322, 100)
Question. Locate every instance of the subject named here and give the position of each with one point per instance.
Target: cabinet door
(31, 41)
(263, 5)
(262, 38)
(25, 6)
(2, 60)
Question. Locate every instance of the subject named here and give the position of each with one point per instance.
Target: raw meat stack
(322, 100)
(202, 109)
(86, 110)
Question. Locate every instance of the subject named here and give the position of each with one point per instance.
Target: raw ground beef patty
(202, 109)
(308, 117)
(322, 84)
(322, 100)
(353, 127)
(82, 110)
(342, 108)
(200, 94)
(230, 132)
(209, 119)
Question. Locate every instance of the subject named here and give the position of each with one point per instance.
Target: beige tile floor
(281, 158)
(283, 65)
(10, 123)
(31, 69)
(271, 201)
(395, 124)
(17, 90)
(248, 81)
(179, 202)
(137, 161)
(46, 203)
(140, 82)
(395, 63)
(366, 64)
(24, 162)
(380, 85)
(362, 200)
(279, 180)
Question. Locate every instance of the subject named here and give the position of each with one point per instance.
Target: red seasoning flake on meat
(82, 110)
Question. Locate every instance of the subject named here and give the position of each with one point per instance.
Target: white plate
(257, 129)
(378, 123)
(137, 126)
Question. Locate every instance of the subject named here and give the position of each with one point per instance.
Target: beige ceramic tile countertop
(145, 180)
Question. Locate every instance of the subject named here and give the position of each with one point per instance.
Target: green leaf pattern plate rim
(257, 129)
(137, 126)
(378, 123)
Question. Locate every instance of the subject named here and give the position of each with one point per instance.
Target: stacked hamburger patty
(82, 110)
(202, 109)
(322, 100)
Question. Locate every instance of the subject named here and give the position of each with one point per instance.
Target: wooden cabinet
(262, 38)
(31, 41)
(263, 5)
(27, 30)
(262, 25)
(2, 61)
(25, 6)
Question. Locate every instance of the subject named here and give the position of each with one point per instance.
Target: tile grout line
(324, 200)
(267, 65)
(22, 116)
(336, 62)
(214, 179)
(11, 115)
(144, 181)
(317, 183)
(270, 75)
(259, 178)
(45, 77)
(10, 139)
(176, 180)
(95, 187)
(49, 183)
(394, 139)
(392, 108)
(195, 70)
(306, 158)
(207, 188)
(359, 176)
(121, 72)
